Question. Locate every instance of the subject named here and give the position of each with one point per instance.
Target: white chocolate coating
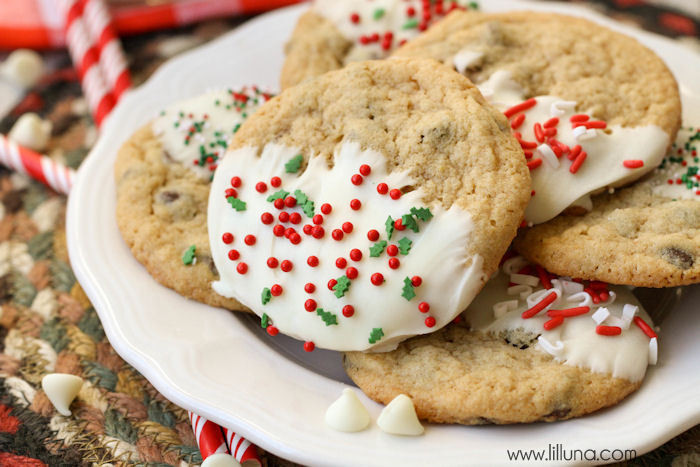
(347, 413)
(555, 187)
(377, 17)
(575, 342)
(399, 418)
(61, 389)
(214, 116)
(439, 251)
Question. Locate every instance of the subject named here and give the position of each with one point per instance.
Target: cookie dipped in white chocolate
(378, 27)
(569, 153)
(612, 335)
(196, 131)
(338, 257)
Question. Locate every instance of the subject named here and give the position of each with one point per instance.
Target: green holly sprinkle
(409, 222)
(327, 317)
(423, 214)
(294, 164)
(341, 286)
(264, 321)
(308, 208)
(375, 335)
(378, 14)
(410, 24)
(188, 257)
(301, 197)
(407, 291)
(405, 245)
(266, 296)
(280, 194)
(236, 203)
(389, 227)
(377, 249)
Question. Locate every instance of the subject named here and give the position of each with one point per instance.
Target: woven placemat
(47, 324)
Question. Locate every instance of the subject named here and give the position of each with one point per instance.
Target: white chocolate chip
(23, 67)
(399, 418)
(61, 389)
(547, 154)
(653, 351)
(628, 313)
(347, 413)
(220, 459)
(31, 131)
(600, 315)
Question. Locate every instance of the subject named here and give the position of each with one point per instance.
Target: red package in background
(38, 24)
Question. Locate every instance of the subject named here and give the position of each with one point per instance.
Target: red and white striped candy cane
(86, 58)
(37, 166)
(209, 436)
(241, 449)
(102, 32)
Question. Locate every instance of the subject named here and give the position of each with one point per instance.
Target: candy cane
(37, 166)
(241, 449)
(209, 437)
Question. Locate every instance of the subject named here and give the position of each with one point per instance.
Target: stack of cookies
(462, 202)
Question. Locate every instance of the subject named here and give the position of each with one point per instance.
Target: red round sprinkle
(382, 188)
(351, 272)
(410, 11)
(261, 187)
(348, 311)
(242, 268)
(326, 208)
(395, 193)
(273, 331)
(278, 230)
(355, 254)
(355, 204)
(312, 261)
(372, 235)
(416, 281)
(309, 346)
(275, 181)
(430, 321)
(286, 265)
(284, 216)
(340, 263)
(392, 250)
(276, 290)
(295, 218)
(355, 18)
(309, 287)
(377, 278)
(331, 284)
(356, 179)
(295, 238)
(236, 182)
(267, 218)
(290, 201)
(308, 228)
(347, 227)
(398, 225)
(317, 219)
(423, 307)
(278, 203)
(394, 263)
(337, 234)
(310, 305)
(231, 192)
(233, 255)
(289, 231)
(272, 262)
(249, 240)
(227, 238)
(318, 231)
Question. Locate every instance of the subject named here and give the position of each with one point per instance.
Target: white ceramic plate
(224, 367)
